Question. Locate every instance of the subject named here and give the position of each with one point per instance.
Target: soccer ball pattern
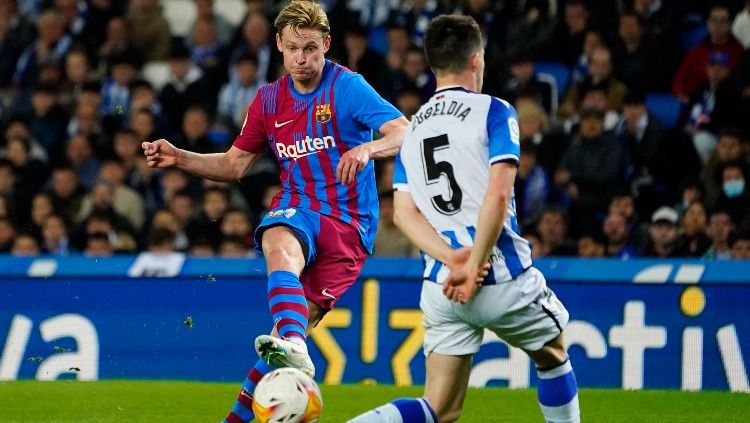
(287, 395)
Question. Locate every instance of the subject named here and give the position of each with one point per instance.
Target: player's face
(303, 53)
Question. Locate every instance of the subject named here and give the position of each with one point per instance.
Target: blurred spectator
(150, 33)
(735, 195)
(127, 148)
(524, 81)
(591, 245)
(416, 15)
(729, 148)
(66, 192)
(76, 75)
(739, 244)
(234, 246)
(592, 40)
(691, 191)
(51, 45)
(100, 221)
(398, 44)
(41, 208)
(693, 241)
(236, 95)
(659, 22)
(165, 219)
(7, 234)
(535, 129)
(530, 29)
(30, 174)
(222, 27)
(201, 248)
(210, 55)
(534, 242)
(691, 73)
(102, 200)
(186, 85)
(636, 61)
(532, 186)
(97, 245)
(389, 240)
(180, 203)
(719, 227)
(161, 241)
(115, 89)
(25, 245)
(81, 157)
(641, 137)
(86, 122)
(74, 14)
(257, 38)
(741, 26)
(566, 42)
(16, 34)
(207, 224)
(17, 128)
(143, 97)
(553, 234)
(48, 121)
(590, 171)
(126, 201)
(414, 75)
(360, 58)
(615, 229)
(714, 105)
(408, 102)
(55, 236)
(236, 225)
(662, 234)
(600, 76)
(194, 137)
(117, 44)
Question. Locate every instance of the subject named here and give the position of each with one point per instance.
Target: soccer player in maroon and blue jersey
(318, 121)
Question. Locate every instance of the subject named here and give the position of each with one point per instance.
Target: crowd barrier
(634, 324)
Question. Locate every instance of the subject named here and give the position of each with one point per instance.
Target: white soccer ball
(287, 395)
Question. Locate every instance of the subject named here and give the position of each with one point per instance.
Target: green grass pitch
(151, 401)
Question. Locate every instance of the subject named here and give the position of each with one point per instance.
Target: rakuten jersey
(445, 164)
(309, 133)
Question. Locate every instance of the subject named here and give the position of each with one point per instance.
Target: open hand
(352, 162)
(159, 153)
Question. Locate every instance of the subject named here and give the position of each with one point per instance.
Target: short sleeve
(400, 183)
(252, 137)
(503, 132)
(368, 107)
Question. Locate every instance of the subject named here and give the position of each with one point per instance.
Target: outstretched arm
(356, 159)
(460, 286)
(223, 167)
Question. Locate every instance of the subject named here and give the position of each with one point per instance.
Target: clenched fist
(159, 153)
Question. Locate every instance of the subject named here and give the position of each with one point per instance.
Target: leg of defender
(557, 390)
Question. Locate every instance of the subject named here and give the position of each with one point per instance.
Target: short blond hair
(305, 14)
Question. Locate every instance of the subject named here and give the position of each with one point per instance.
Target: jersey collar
(445, 88)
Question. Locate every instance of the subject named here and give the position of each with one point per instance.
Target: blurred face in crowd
(719, 227)
(235, 223)
(740, 250)
(68, 9)
(123, 73)
(41, 208)
(126, 146)
(17, 152)
(98, 247)
(53, 230)
(7, 232)
(182, 208)
(415, 64)
(694, 221)
(195, 124)
(600, 66)
(117, 30)
(591, 128)
(231, 248)
(112, 171)
(25, 245)
(303, 53)
(663, 234)
(204, 34)
(622, 205)
(180, 67)
(589, 247)
(17, 129)
(102, 195)
(165, 219)
(204, 7)
(632, 113)
(522, 71)
(734, 183)
(64, 182)
(256, 30)
(717, 73)
(7, 179)
(551, 228)
(76, 67)
(42, 101)
(142, 97)
(595, 99)
(50, 27)
(172, 181)
(143, 124)
(78, 151)
(94, 225)
(592, 41)
(729, 148)
(214, 205)
(408, 103)
(615, 228)
(630, 29)
(576, 16)
(718, 24)
(398, 40)
(247, 72)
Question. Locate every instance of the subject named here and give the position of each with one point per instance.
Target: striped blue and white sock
(558, 394)
(402, 410)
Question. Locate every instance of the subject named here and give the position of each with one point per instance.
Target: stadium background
(114, 271)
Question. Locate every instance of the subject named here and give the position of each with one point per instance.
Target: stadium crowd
(634, 119)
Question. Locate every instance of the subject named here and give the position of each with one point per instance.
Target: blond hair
(303, 14)
(528, 109)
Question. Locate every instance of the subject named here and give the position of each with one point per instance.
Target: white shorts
(523, 312)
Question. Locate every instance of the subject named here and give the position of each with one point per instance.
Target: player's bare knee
(553, 353)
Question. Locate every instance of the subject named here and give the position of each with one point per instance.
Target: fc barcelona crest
(323, 113)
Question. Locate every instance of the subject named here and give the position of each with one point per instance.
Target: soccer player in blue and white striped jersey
(454, 199)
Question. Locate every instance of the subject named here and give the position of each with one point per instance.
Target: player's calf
(402, 410)
(557, 390)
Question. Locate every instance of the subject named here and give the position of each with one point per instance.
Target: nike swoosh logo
(327, 294)
(279, 125)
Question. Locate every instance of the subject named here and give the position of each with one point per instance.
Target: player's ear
(326, 43)
(476, 61)
(278, 41)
